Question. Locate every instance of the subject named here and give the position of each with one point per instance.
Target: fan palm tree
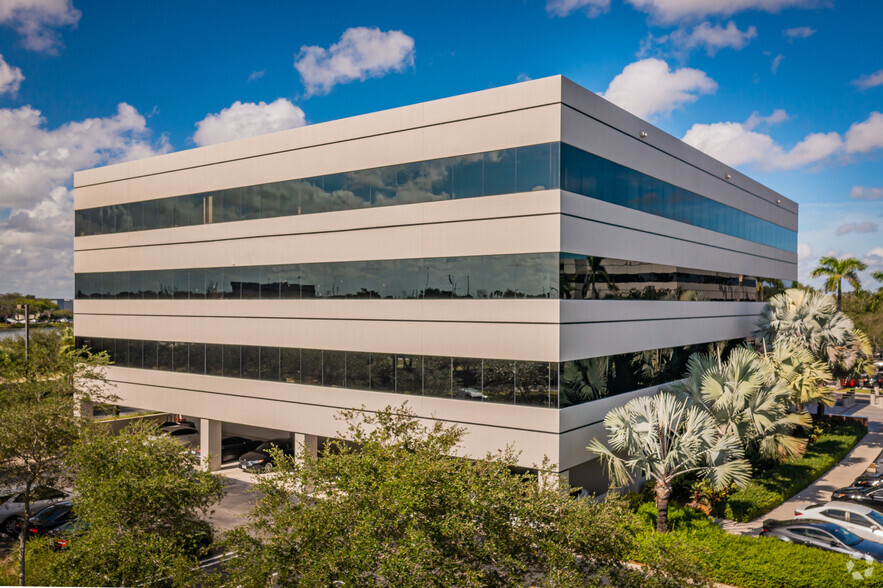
(745, 400)
(583, 380)
(666, 437)
(837, 270)
(803, 373)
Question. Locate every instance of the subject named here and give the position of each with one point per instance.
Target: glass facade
(524, 383)
(532, 275)
(589, 175)
(507, 171)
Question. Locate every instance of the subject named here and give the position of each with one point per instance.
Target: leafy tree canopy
(394, 508)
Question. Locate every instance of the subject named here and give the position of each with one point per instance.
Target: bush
(771, 487)
(756, 562)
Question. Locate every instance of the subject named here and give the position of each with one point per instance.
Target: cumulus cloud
(248, 119)
(667, 11)
(591, 8)
(756, 120)
(863, 193)
(870, 81)
(10, 78)
(805, 251)
(867, 227)
(777, 61)
(798, 33)
(736, 144)
(706, 36)
(36, 170)
(36, 21)
(874, 258)
(361, 53)
(650, 87)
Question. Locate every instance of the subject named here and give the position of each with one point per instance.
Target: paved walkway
(842, 474)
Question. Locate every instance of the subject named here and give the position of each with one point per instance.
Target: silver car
(12, 508)
(862, 520)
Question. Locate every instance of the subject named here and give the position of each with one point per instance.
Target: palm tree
(745, 400)
(584, 380)
(877, 276)
(595, 270)
(666, 437)
(837, 270)
(803, 373)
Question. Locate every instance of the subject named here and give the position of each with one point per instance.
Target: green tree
(402, 511)
(804, 375)
(835, 271)
(144, 500)
(666, 437)
(747, 399)
(38, 402)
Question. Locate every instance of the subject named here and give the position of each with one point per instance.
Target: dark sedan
(50, 517)
(260, 458)
(232, 448)
(827, 536)
(869, 479)
(868, 495)
(60, 537)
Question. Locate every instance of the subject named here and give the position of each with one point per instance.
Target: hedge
(771, 487)
(759, 562)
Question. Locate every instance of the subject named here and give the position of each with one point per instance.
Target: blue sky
(788, 91)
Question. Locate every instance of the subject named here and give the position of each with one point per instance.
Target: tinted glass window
(383, 372)
(164, 356)
(251, 362)
(214, 360)
(232, 361)
(270, 364)
(289, 360)
(180, 357)
(311, 366)
(437, 376)
(149, 355)
(197, 358)
(467, 176)
(409, 374)
(840, 515)
(333, 369)
(358, 370)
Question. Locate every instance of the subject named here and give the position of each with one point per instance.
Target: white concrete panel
(583, 340)
(499, 131)
(515, 97)
(607, 230)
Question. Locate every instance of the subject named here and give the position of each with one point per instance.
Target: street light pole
(27, 332)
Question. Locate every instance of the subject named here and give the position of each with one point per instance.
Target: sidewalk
(842, 474)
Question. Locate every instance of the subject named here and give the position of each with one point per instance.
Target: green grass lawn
(771, 487)
(758, 562)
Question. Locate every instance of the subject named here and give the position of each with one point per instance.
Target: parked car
(61, 535)
(869, 479)
(862, 520)
(12, 508)
(827, 536)
(260, 458)
(471, 394)
(868, 495)
(49, 518)
(188, 436)
(177, 423)
(232, 448)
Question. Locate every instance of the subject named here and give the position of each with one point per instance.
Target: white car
(12, 509)
(863, 521)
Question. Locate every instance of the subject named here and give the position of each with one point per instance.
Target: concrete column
(210, 444)
(303, 440)
(84, 408)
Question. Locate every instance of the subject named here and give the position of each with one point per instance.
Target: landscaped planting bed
(771, 487)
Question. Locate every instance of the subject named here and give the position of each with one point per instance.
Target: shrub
(773, 486)
(757, 562)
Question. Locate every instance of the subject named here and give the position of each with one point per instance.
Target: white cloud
(710, 37)
(649, 87)
(870, 81)
(10, 77)
(248, 119)
(736, 144)
(874, 258)
(667, 11)
(863, 193)
(755, 120)
(36, 169)
(805, 251)
(523, 77)
(798, 33)
(591, 8)
(256, 75)
(36, 21)
(865, 136)
(360, 53)
(866, 227)
(777, 61)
